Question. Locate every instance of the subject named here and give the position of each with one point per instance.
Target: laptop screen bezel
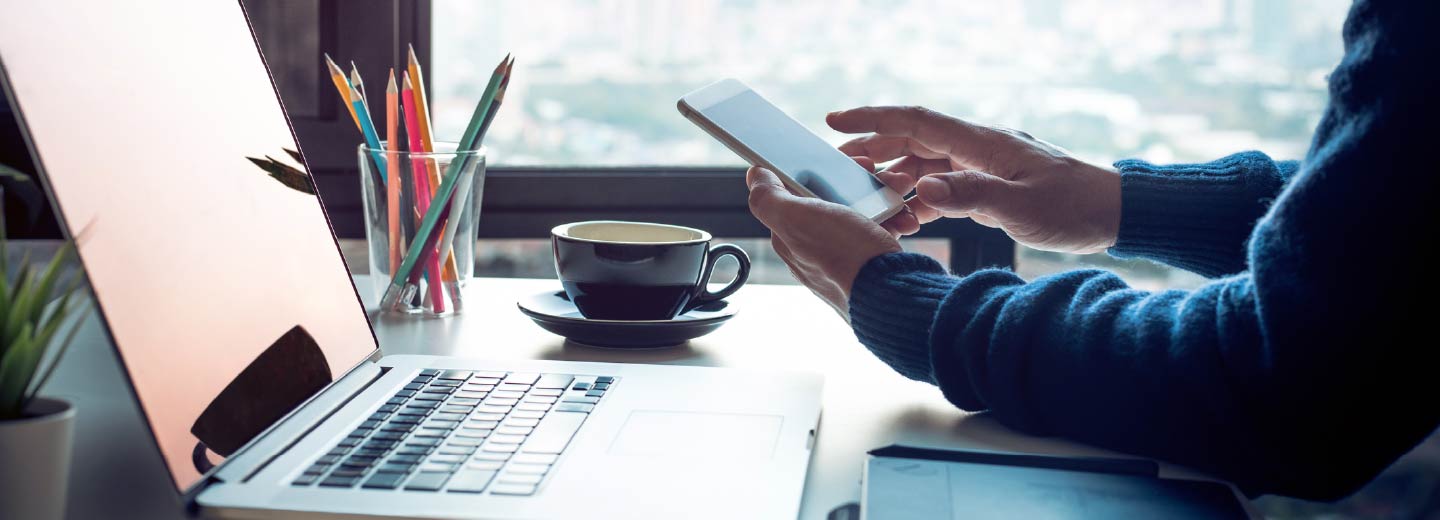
(187, 494)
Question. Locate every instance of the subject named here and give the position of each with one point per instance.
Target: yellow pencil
(342, 85)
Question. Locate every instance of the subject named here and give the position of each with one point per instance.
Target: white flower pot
(35, 461)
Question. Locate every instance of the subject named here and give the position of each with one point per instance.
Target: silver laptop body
(198, 261)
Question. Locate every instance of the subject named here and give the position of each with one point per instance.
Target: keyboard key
(516, 478)
(581, 399)
(543, 399)
(492, 381)
(470, 394)
(485, 464)
(430, 467)
(554, 432)
(464, 401)
(507, 439)
(384, 481)
(554, 381)
(595, 393)
(359, 461)
(317, 469)
(349, 442)
(604, 379)
(347, 472)
(389, 436)
(328, 459)
(401, 427)
(513, 489)
(519, 421)
(430, 372)
(337, 481)
(452, 408)
(448, 459)
(499, 448)
(431, 432)
(405, 419)
(457, 417)
(381, 444)
(527, 414)
(538, 407)
(413, 450)
(458, 450)
(485, 408)
(428, 399)
(492, 456)
(488, 375)
(405, 393)
(438, 390)
(420, 379)
(513, 388)
(522, 378)
(514, 430)
(459, 375)
(305, 480)
(487, 416)
(575, 407)
(395, 468)
(427, 481)
(501, 401)
(461, 441)
(548, 392)
(443, 383)
(581, 385)
(488, 425)
(413, 386)
(473, 433)
(406, 458)
(470, 481)
(367, 452)
(601, 386)
(536, 458)
(527, 469)
(507, 394)
(423, 441)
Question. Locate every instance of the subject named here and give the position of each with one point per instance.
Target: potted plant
(38, 321)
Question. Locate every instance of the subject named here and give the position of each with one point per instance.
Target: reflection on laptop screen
(221, 284)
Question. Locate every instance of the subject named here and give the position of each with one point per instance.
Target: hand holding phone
(763, 135)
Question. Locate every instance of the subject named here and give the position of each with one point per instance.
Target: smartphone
(765, 136)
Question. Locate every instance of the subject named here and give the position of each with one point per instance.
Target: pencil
(451, 274)
(392, 163)
(357, 83)
(424, 237)
(343, 86)
(372, 140)
(422, 197)
(463, 195)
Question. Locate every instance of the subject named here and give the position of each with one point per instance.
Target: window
(1172, 81)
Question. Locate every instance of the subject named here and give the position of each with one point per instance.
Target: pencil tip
(413, 59)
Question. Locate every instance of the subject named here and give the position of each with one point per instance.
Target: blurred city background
(1167, 81)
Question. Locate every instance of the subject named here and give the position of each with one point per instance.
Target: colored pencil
(422, 196)
(372, 140)
(425, 236)
(462, 196)
(451, 271)
(392, 163)
(343, 86)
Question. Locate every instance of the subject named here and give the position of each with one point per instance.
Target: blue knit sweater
(1304, 367)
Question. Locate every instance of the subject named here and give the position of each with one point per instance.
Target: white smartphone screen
(793, 149)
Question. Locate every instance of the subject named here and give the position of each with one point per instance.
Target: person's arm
(1305, 376)
(1196, 217)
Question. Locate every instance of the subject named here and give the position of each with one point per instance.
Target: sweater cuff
(1197, 217)
(892, 307)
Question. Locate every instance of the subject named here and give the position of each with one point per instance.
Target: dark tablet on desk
(905, 483)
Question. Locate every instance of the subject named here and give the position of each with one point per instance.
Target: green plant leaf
(49, 370)
(15, 371)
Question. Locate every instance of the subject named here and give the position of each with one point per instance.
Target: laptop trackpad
(698, 435)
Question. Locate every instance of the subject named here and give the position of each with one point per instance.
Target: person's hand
(1035, 192)
(824, 244)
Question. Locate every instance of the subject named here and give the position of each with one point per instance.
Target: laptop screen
(218, 275)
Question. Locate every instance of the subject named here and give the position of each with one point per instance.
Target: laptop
(251, 355)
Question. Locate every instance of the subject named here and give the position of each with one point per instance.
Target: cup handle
(702, 292)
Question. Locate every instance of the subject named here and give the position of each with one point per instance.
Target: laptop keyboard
(460, 431)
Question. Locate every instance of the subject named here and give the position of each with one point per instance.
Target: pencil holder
(419, 268)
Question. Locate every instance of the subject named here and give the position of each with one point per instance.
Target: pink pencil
(422, 192)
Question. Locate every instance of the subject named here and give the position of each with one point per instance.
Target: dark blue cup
(616, 270)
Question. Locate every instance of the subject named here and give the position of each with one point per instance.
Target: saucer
(553, 311)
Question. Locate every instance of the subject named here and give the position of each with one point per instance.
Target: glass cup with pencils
(400, 189)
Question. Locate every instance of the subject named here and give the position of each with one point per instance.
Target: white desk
(867, 405)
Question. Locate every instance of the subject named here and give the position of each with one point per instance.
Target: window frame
(526, 202)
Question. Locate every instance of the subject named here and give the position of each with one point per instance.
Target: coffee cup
(614, 270)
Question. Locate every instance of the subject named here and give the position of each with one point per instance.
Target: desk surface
(867, 405)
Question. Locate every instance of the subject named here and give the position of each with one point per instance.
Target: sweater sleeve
(1305, 375)
(1196, 217)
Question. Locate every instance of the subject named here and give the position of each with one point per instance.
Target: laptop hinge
(274, 441)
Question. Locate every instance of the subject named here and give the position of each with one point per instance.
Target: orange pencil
(427, 139)
(392, 161)
(343, 85)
